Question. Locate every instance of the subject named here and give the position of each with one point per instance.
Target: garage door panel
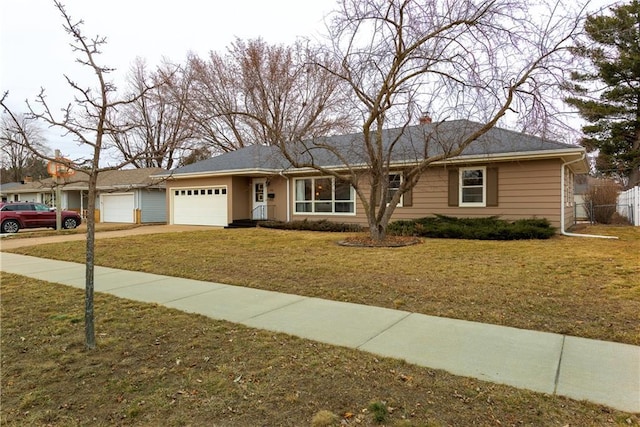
(200, 206)
(117, 207)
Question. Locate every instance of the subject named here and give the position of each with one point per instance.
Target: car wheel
(10, 226)
(70, 223)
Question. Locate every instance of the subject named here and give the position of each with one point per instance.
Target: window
(473, 186)
(323, 196)
(394, 185)
(18, 207)
(568, 188)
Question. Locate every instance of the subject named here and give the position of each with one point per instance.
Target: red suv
(17, 215)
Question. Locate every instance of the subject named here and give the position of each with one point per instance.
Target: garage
(200, 206)
(117, 208)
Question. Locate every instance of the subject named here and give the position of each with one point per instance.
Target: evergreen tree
(609, 97)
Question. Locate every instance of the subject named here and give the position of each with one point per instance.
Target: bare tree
(18, 160)
(160, 126)
(89, 119)
(261, 94)
(474, 60)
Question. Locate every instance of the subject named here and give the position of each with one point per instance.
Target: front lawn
(160, 367)
(577, 286)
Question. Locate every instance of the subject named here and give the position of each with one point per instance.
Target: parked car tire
(10, 226)
(70, 223)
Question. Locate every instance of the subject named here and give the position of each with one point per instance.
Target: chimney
(425, 118)
(28, 178)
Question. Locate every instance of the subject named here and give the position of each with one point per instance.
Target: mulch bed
(388, 242)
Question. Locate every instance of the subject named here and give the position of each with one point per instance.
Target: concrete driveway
(23, 238)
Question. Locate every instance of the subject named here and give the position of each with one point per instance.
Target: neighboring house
(5, 191)
(503, 173)
(128, 196)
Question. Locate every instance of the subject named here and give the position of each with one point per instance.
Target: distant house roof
(9, 185)
(108, 180)
(411, 144)
(117, 179)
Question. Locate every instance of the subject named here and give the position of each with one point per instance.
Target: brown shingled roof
(112, 180)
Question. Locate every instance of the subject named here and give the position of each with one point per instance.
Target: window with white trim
(323, 195)
(473, 186)
(568, 188)
(395, 179)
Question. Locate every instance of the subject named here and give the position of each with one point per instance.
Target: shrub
(379, 411)
(321, 225)
(488, 228)
(600, 201)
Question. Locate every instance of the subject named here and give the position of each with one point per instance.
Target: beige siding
(526, 189)
(277, 207)
(239, 194)
(240, 201)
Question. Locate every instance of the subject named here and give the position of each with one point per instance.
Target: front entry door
(259, 210)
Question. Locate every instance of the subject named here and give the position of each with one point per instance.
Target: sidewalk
(602, 372)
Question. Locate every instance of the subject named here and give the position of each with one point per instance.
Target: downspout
(562, 204)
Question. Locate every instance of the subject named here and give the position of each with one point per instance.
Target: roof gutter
(228, 172)
(562, 204)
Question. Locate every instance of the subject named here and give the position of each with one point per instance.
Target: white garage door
(200, 206)
(117, 207)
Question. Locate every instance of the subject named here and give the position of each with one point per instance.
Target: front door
(259, 210)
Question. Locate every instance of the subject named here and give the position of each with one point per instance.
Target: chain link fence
(604, 214)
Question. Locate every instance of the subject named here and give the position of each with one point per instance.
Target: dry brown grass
(156, 366)
(576, 286)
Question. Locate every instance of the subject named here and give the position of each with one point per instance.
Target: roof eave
(516, 155)
(227, 172)
(565, 154)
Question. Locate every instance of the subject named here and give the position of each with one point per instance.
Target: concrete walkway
(602, 372)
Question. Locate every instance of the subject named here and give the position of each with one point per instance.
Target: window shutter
(407, 198)
(453, 187)
(492, 186)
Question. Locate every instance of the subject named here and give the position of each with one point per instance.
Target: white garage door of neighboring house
(117, 208)
(199, 206)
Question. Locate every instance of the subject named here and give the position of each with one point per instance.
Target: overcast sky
(35, 53)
